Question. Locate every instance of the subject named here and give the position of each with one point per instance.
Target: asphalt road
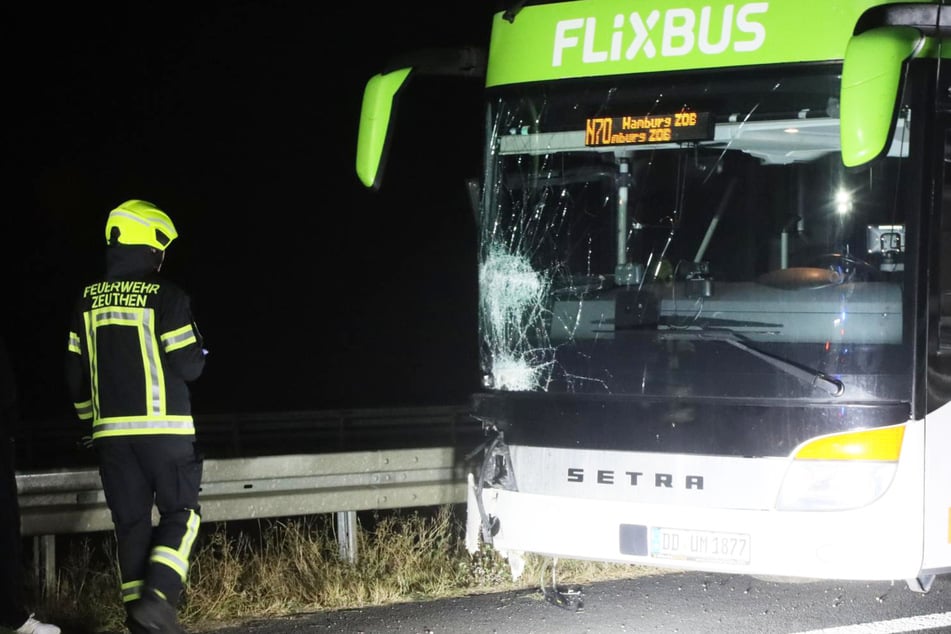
(676, 603)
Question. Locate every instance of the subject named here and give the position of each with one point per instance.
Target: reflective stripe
(152, 364)
(73, 344)
(188, 540)
(93, 354)
(143, 432)
(177, 558)
(132, 590)
(168, 557)
(83, 410)
(179, 338)
(119, 213)
(148, 223)
(143, 321)
(138, 425)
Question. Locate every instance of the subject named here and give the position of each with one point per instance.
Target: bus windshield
(694, 235)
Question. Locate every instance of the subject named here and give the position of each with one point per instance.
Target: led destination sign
(649, 128)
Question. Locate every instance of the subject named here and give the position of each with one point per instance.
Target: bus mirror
(871, 76)
(379, 98)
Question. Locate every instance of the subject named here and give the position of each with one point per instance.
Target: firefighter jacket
(133, 348)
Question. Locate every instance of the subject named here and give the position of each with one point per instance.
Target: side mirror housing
(871, 78)
(379, 102)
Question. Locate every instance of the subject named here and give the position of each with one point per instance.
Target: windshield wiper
(824, 382)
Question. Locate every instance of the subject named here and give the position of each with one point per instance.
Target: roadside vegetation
(246, 570)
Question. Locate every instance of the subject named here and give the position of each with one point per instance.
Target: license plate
(676, 543)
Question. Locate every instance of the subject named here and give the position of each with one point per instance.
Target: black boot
(155, 615)
(135, 628)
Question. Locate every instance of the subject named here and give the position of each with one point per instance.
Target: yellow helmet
(140, 222)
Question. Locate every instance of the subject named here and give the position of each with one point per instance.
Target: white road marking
(907, 624)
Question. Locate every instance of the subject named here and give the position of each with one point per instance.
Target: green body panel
(375, 118)
(590, 38)
(601, 38)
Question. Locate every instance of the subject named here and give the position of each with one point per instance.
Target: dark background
(239, 119)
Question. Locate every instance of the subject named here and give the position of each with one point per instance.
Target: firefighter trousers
(137, 473)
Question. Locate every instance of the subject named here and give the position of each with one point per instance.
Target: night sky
(239, 119)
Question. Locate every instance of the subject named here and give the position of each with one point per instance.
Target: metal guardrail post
(44, 563)
(347, 535)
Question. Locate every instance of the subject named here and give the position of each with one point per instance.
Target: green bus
(714, 250)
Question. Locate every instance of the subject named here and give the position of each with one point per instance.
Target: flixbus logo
(671, 33)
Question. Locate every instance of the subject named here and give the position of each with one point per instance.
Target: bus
(714, 272)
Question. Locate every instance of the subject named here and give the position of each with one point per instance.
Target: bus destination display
(649, 128)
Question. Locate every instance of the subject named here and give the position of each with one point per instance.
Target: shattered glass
(739, 264)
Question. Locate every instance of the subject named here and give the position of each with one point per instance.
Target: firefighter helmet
(140, 222)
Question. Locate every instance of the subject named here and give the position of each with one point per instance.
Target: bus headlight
(841, 471)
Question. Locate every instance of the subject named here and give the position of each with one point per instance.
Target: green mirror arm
(380, 98)
(929, 19)
(466, 61)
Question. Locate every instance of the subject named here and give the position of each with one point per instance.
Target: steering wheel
(848, 267)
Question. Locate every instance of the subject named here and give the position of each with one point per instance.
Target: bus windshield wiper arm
(831, 386)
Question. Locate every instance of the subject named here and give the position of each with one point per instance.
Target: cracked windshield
(690, 238)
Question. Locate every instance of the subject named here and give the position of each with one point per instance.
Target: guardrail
(387, 472)
(72, 501)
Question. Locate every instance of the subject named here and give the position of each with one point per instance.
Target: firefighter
(133, 348)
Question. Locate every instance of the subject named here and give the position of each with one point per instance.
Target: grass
(247, 570)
